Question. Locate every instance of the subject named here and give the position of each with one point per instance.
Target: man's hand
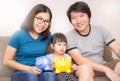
(112, 75)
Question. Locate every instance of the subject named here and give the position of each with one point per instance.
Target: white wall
(12, 13)
(104, 12)
(107, 14)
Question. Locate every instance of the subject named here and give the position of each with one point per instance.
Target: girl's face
(59, 47)
(41, 22)
(80, 21)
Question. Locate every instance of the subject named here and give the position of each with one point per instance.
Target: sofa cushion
(4, 78)
(4, 71)
(102, 78)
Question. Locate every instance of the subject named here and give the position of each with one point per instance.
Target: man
(86, 42)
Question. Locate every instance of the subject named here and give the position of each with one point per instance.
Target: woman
(27, 44)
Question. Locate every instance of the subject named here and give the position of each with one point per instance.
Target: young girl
(58, 44)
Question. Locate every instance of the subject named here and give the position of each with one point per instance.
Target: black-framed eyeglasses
(41, 20)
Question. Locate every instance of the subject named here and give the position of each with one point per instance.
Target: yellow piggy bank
(62, 65)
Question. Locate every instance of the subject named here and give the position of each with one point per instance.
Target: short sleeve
(108, 37)
(14, 40)
(71, 41)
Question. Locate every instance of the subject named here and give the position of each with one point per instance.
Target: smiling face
(40, 27)
(80, 21)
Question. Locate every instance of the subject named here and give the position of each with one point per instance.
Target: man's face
(80, 21)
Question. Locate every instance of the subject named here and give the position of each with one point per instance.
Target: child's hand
(53, 66)
(74, 67)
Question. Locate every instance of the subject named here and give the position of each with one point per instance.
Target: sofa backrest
(4, 71)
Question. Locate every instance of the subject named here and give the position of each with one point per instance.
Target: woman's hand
(34, 70)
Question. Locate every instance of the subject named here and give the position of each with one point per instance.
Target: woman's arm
(9, 60)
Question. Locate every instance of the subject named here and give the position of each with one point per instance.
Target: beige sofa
(6, 72)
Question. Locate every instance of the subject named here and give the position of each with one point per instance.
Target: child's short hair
(58, 37)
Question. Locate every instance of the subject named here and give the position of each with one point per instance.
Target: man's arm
(79, 59)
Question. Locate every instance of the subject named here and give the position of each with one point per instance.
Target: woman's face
(41, 22)
(80, 21)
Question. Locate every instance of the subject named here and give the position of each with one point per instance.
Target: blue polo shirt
(27, 47)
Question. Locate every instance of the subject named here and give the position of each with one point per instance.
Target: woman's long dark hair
(28, 22)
